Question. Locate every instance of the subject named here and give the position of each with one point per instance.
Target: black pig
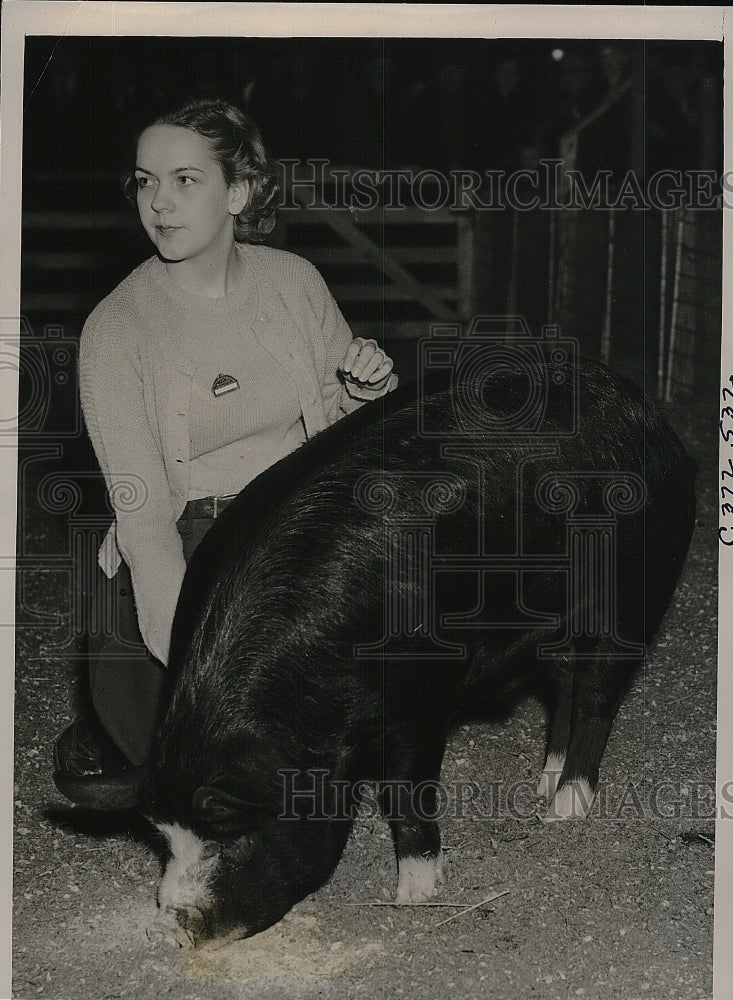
(426, 550)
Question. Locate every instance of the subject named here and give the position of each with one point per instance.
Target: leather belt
(208, 506)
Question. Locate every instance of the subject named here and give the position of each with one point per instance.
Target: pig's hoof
(419, 878)
(572, 801)
(550, 777)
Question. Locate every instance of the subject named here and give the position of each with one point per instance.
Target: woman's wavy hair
(237, 145)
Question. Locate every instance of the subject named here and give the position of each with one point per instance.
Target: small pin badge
(223, 384)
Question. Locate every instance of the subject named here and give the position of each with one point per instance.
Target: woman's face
(185, 205)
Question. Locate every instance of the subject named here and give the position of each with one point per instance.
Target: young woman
(211, 361)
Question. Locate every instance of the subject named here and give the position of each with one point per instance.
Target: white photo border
(32, 17)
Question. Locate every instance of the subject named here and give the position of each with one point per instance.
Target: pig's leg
(409, 801)
(599, 687)
(560, 726)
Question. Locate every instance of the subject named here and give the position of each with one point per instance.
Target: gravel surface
(617, 906)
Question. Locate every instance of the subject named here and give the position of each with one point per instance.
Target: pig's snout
(179, 927)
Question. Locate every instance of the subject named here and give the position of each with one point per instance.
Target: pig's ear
(104, 793)
(217, 806)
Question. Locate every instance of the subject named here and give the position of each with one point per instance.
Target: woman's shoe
(85, 750)
(91, 770)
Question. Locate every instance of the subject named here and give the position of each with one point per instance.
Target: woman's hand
(366, 364)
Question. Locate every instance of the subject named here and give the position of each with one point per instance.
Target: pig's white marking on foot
(572, 801)
(186, 880)
(550, 777)
(419, 878)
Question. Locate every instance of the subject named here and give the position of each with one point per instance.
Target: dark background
(375, 102)
(443, 104)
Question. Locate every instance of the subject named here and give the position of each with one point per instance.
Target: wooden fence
(639, 290)
(393, 270)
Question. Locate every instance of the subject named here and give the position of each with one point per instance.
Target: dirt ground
(617, 906)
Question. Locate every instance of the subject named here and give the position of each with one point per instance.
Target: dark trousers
(126, 683)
